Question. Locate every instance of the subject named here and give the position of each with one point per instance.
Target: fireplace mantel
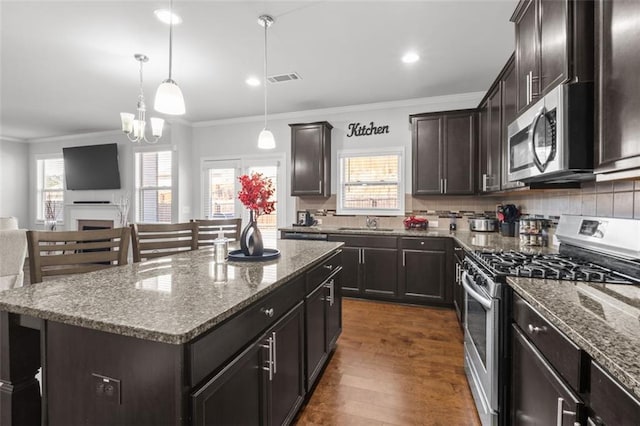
(89, 211)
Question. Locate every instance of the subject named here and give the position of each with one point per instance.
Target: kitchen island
(170, 341)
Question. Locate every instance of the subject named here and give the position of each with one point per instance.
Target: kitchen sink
(364, 228)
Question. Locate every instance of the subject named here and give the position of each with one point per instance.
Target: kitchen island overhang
(151, 329)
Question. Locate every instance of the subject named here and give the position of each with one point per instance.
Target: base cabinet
(323, 317)
(262, 385)
(539, 396)
(370, 266)
(423, 274)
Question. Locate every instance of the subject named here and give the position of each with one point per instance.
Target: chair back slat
(155, 240)
(75, 252)
(208, 230)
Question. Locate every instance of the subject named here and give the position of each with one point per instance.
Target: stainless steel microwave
(552, 141)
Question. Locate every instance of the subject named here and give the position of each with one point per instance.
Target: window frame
(40, 191)
(137, 182)
(220, 163)
(350, 153)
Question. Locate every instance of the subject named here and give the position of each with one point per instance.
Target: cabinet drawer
(373, 241)
(212, 350)
(427, 243)
(317, 275)
(610, 401)
(562, 353)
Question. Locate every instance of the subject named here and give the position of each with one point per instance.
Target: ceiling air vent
(281, 78)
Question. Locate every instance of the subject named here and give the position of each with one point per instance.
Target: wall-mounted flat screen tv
(91, 167)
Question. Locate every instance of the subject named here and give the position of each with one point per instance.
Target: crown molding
(434, 103)
(10, 139)
(75, 136)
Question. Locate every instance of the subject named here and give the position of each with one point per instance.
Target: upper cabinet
(444, 146)
(496, 111)
(311, 159)
(618, 89)
(554, 44)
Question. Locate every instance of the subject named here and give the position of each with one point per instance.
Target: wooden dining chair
(75, 252)
(208, 230)
(162, 239)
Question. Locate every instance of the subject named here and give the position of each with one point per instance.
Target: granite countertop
(602, 319)
(470, 240)
(169, 299)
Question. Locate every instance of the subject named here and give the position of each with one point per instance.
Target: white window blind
(154, 184)
(370, 183)
(50, 189)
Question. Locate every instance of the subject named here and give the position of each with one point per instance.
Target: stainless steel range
(592, 249)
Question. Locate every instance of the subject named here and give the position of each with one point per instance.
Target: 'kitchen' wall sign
(358, 129)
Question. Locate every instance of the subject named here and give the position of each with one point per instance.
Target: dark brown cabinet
(262, 385)
(311, 159)
(323, 315)
(370, 266)
(610, 403)
(444, 152)
(618, 108)
(538, 395)
(423, 275)
(490, 141)
(509, 113)
(554, 44)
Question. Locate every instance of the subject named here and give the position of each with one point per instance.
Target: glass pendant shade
(157, 124)
(139, 128)
(266, 139)
(169, 99)
(127, 122)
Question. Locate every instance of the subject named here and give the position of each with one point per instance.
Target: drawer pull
(268, 312)
(328, 267)
(535, 330)
(561, 412)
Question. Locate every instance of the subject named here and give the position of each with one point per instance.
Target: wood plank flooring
(394, 365)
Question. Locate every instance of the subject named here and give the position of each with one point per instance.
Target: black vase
(251, 238)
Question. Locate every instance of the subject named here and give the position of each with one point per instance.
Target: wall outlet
(106, 388)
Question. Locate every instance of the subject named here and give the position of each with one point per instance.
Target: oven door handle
(467, 283)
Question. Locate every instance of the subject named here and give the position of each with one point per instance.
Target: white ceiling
(67, 67)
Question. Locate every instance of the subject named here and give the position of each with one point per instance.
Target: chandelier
(134, 127)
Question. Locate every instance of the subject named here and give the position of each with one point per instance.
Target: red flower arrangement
(256, 192)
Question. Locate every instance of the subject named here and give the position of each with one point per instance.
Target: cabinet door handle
(445, 185)
(268, 312)
(320, 186)
(441, 186)
(484, 182)
(330, 285)
(561, 412)
(404, 257)
(273, 350)
(528, 89)
(269, 366)
(363, 259)
(535, 330)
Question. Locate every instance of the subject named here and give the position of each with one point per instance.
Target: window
(154, 183)
(50, 188)
(370, 183)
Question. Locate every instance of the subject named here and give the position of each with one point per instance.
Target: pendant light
(169, 99)
(265, 139)
(134, 126)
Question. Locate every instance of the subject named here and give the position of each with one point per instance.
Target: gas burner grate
(550, 266)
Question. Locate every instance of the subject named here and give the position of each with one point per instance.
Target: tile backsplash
(610, 199)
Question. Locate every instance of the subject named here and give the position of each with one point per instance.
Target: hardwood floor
(394, 365)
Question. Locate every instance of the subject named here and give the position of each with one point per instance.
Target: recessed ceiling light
(253, 81)
(410, 57)
(165, 16)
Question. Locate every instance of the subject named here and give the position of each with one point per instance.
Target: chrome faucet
(372, 222)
